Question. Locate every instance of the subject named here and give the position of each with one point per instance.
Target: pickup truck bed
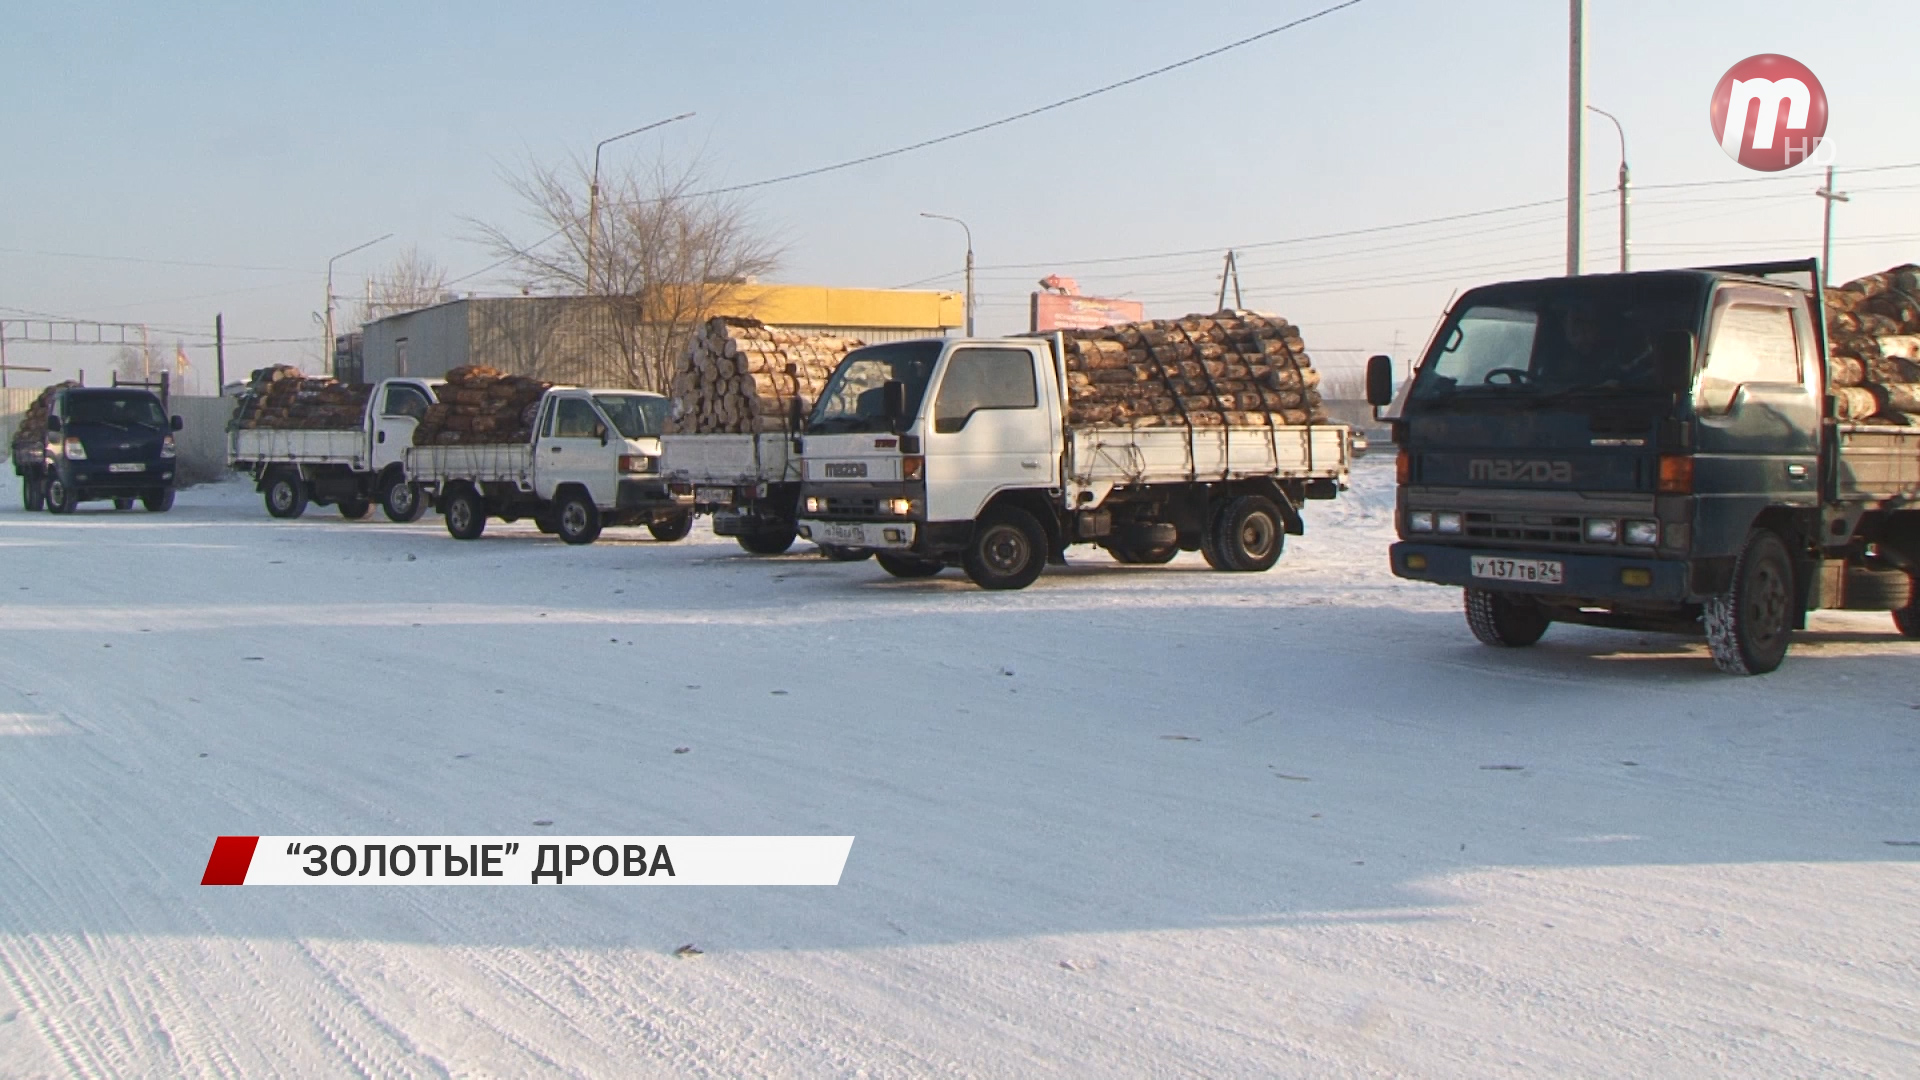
(1879, 462)
(1122, 456)
(483, 462)
(729, 459)
(346, 447)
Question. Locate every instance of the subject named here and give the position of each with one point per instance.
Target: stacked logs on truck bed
(481, 405)
(280, 398)
(1873, 329)
(1231, 368)
(739, 376)
(32, 429)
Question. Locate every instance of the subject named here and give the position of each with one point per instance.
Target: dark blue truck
(84, 443)
(1649, 451)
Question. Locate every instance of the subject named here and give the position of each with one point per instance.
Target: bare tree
(132, 363)
(410, 282)
(663, 256)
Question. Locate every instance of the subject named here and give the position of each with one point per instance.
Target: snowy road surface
(1131, 821)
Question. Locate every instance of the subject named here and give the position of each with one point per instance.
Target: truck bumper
(650, 494)
(99, 482)
(1603, 578)
(875, 535)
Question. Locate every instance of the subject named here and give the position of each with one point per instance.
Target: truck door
(989, 431)
(1758, 433)
(396, 412)
(578, 447)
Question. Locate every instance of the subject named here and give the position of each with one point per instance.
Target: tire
(1907, 619)
(1247, 535)
(286, 496)
(545, 524)
(836, 553)
(466, 513)
(400, 500)
(1008, 550)
(575, 519)
(33, 494)
(906, 566)
(1152, 556)
(1503, 620)
(123, 504)
(355, 509)
(60, 498)
(768, 540)
(158, 502)
(674, 528)
(1750, 626)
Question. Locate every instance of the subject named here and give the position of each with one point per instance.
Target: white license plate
(127, 466)
(1534, 571)
(717, 496)
(843, 533)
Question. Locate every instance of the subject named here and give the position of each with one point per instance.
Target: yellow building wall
(819, 305)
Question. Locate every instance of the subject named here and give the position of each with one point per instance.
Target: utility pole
(1576, 126)
(219, 355)
(593, 188)
(326, 352)
(1826, 234)
(1623, 183)
(969, 232)
(1231, 271)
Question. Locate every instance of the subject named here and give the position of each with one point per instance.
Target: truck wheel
(674, 528)
(836, 553)
(906, 566)
(1503, 620)
(61, 499)
(355, 509)
(33, 494)
(158, 502)
(286, 495)
(1150, 556)
(123, 504)
(1750, 625)
(466, 513)
(576, 520)
(1008, 550)
(1247, 535)
(544, 522)
(1907, 619)
(400, 500)
(768, 539)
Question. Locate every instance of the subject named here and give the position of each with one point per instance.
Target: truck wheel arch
(1033, 502)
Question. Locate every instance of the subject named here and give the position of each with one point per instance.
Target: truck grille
(1529, 528)
(851, 505)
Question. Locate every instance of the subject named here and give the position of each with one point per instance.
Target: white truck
(958, 452)
(350, 468)
(591, 460)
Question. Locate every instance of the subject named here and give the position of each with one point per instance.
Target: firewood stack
(1873, 330)
(481, 405)
(739, 376)
(32, 430)
(1232, 368)
(282, 399)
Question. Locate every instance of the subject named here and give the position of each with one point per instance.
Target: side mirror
(1673, 356)
(796, 414)
(53, 422)
(894, 401)
(600, 432)
(1380, 381)
(177, 423)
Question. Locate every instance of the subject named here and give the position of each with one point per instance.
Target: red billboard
(1055, 311)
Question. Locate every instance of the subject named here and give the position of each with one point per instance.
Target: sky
(164, 163)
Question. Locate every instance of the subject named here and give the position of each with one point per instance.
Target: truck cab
(100, 443)
(1651, 451)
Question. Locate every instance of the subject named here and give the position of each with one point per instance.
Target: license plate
(127, 466)
(1532, 571)
(836, 532)
(717, 496)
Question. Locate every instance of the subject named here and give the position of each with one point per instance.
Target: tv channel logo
(1770, 113)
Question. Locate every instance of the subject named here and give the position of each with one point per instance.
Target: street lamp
(1623, 183)
(326, 353)
(969, 232)
(593, 187)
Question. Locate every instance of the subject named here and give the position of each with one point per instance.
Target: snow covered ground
(1132, 821)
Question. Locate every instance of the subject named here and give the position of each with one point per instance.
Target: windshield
(854, 400)
(125, 409)
(1569, 335)
(637, 416)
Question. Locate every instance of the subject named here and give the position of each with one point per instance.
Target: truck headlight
(1643, 533)
(167, 449)
(1447, 522)
(813, 504)
(73, 448)
(1419, 521)
(900, 507)
(1603, 531)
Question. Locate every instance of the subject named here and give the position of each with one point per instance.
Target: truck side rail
(1183, 454)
